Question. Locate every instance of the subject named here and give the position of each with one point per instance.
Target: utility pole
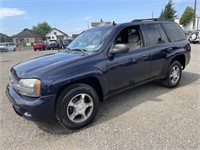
(194, 19)
(152, 14)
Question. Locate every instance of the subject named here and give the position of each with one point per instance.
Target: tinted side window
(130, 36)
(163, 34)
(153, 33)
(175, 31)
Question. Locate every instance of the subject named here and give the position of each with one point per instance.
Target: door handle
(144, 55)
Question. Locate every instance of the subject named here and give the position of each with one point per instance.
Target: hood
(2, 46)
(39, 66)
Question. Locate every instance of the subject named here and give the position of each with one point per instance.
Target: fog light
(27, 114)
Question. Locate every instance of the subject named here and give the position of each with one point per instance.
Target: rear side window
(156, 34)
(153, 33)
(175, 31)
(163, 34)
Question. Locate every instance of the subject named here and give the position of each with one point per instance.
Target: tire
(173, 75)
(35, 49)
(77, 106)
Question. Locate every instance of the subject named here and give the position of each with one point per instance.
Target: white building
(189, 26)
(58, 35)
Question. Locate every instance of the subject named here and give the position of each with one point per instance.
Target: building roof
(59, 31)
(4, 37)
(26, 33)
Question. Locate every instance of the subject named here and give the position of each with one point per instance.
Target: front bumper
(196, 40)
(36, 109)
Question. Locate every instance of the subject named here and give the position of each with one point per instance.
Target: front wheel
(173, 76)
(77, 106)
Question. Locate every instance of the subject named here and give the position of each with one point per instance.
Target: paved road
(147, 117)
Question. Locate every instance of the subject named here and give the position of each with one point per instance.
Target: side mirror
(119, 48)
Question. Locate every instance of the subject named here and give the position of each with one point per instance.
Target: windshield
(90, 40)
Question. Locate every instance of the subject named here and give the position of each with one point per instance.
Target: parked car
(7, 46)
(39, 45)
(195, 37)
(66, 43)
(53, 44)
(99, 63)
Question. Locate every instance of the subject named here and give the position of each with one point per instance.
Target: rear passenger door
(159, 46)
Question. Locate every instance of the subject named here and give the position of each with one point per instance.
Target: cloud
(180, 1)
(88, 17)
(7, 12)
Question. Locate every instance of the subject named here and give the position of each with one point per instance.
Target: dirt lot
(147, 117)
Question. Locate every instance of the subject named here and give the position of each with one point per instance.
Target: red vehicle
(40, 45)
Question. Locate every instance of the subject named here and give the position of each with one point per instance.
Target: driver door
(129, 68)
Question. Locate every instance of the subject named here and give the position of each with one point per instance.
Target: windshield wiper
(78, 49)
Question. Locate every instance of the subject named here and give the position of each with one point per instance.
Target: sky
(73, 16)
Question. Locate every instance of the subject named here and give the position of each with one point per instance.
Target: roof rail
(152, 19)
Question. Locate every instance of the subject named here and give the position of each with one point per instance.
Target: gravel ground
(147, 117)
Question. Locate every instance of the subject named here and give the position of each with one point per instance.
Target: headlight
(29, 87)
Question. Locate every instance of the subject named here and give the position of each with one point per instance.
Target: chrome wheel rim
(175, 74)
(80, 108)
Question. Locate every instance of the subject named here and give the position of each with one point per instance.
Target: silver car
(7, 46)
(195, 37)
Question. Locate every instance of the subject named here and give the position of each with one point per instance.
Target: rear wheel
(173, 76)
(77, 106)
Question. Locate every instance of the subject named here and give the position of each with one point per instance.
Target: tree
(187, 16)
(169, 12)
(162, 14)
(42, 28)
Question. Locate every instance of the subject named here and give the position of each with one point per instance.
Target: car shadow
(122, 103)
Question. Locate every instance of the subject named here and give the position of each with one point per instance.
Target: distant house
(189, 26)
(58, 35)
(26, 37)
(75, 36)
(5, 38)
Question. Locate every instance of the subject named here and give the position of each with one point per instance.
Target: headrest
(134, 38)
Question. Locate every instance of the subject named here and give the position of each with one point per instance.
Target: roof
(4, 37)
(59, 31)
(26, 33)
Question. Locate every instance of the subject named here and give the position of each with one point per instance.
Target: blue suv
(99, 63)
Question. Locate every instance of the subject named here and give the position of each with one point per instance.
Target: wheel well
(181, 59)
(91, 81)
